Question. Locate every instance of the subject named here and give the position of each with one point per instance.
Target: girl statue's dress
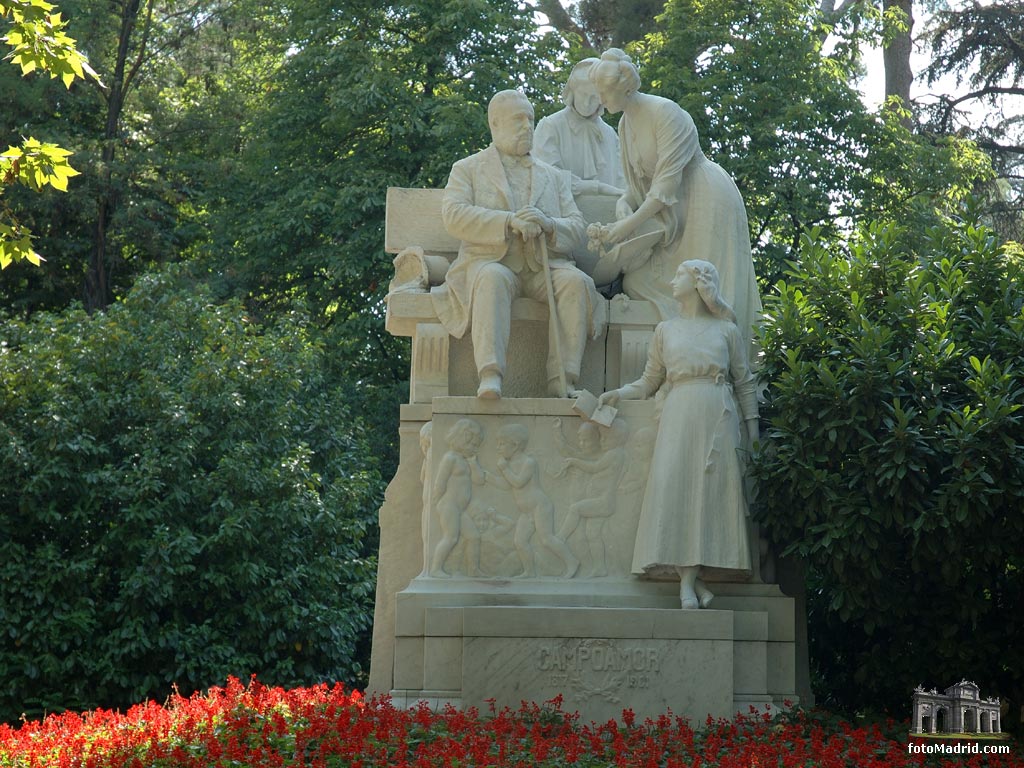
(694, 510)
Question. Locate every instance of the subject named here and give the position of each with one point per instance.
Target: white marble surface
(601, 677)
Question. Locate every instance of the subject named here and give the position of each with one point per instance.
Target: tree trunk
(896, 55)
(560, 19)
(98, 294)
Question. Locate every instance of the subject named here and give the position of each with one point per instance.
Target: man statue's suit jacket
(476, 209)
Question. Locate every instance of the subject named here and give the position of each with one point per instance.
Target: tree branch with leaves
(38, 43)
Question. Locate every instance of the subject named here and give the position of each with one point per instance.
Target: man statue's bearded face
(512, 127)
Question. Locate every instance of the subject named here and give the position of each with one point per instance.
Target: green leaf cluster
(184, 494)
(893, 458)
(39, 42)
(35, 165)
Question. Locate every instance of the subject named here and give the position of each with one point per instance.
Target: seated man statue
(517, 221)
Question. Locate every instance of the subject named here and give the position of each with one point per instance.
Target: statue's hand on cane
(535, 216)
(524, 228)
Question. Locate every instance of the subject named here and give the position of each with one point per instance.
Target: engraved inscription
(579, 655)
(599, 667)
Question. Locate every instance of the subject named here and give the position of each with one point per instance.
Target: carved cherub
(451, 494)
(602, 466)
(520, 474)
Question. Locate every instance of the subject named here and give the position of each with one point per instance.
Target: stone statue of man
(510, 211)
(577, 140)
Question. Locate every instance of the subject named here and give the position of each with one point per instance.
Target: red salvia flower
(322, 726)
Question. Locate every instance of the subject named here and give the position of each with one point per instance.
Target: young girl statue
(694, 512)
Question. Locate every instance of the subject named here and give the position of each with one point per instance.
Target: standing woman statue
(694, 512)
(670, 183)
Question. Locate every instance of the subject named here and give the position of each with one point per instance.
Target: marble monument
(528, 550)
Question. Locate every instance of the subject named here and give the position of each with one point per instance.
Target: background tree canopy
(782, 116)
(200, 400)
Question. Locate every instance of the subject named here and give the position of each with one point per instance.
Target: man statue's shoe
(490, 386)
(555, 389)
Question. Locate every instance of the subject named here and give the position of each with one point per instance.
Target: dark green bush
(183, 496)
(893, 459)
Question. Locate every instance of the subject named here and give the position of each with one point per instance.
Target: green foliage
(184, 494)
(58, 223)
(35, 165)
(779, 114)
(38, 42)
(893, 463)
(615, 23)
(372, 95)
(135, 151)
(980, 45)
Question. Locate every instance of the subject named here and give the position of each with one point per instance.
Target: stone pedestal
(469, 643)
(467, 626)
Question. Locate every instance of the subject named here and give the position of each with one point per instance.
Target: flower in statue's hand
(596, 236)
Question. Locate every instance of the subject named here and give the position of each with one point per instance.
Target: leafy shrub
(893, 463)
(183, 495)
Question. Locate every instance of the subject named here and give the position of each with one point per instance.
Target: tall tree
(897, 47)
(777, 110)
(982, 46)
(141, 54)
(132, 40)
(601, 24)
(123, 213)
(889, 23)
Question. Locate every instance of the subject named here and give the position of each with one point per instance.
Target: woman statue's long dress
(694, 512)
(671, 182)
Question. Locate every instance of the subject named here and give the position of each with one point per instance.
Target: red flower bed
(255, 725)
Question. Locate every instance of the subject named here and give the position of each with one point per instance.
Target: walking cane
(553, 330)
